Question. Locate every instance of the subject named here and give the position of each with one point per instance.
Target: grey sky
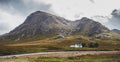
(92, 1)
(14, 12)
(23, 6)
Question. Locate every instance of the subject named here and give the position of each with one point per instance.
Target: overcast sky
(14, 12)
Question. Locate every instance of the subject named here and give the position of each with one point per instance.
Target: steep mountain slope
(90, 27)
(41, 22)
(40, 25)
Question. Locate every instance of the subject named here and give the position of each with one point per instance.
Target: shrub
(90, 45)
(93, 45)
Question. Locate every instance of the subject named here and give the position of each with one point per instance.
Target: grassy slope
(52, 44)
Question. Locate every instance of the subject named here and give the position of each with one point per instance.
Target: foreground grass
(84, 58)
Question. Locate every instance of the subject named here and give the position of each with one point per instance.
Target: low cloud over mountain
(112, 21)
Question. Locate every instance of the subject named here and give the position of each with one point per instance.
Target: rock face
(90, 27)
(116, 31)
(40, 24)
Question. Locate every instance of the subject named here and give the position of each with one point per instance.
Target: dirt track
(62, 54)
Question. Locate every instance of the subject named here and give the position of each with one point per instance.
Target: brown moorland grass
(52, 44)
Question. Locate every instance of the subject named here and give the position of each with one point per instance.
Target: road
(62, 54)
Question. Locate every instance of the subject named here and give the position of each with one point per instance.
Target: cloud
(3, 27)
(14, 12)
(23, 7)
(115, 19)
(112, 21)
(92, 1)
(9, 21)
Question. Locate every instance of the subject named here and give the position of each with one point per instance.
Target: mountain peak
(90, 27)
(37, 17)
(85, 18)
(40, 13)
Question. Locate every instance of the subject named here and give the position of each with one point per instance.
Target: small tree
(84, 44)
(93, 45)
(96, 44)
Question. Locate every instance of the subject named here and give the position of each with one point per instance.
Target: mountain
(116, 31)
(90, 27)
(40, 25)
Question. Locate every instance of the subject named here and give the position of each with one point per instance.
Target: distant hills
(116, 31)
(111, 21)
(40, 25)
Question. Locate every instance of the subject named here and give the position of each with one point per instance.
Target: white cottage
(76, 46)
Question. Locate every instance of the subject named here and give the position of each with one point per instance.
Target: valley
(59, 31)
(62, 44)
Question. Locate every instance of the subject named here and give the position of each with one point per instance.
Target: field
(83, 58)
